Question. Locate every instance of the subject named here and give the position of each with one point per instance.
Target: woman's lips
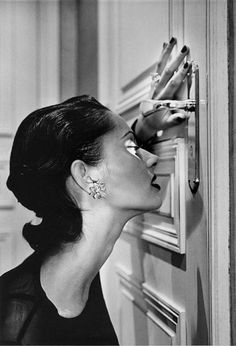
(157, 186)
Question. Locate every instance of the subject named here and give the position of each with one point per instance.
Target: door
(163, 281)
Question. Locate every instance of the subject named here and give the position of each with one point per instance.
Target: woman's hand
(167, 84)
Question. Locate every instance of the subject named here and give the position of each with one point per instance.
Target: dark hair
(46, 143)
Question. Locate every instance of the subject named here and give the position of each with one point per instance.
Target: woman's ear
(83, 175)
(87, 178)
(80, 172)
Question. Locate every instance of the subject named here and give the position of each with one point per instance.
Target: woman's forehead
(121, 126)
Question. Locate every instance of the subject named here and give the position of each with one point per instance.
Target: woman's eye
(131, 147)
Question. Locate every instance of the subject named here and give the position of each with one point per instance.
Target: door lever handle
(186, 105)
(149, 106)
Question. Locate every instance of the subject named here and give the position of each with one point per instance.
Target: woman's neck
(66, 276)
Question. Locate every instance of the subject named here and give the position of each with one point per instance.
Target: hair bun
(20, 183)
(34, 235)
(10, 183)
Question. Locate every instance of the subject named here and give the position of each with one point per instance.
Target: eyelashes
(132, 147)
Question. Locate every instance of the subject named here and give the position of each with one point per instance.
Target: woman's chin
(152, 204)
(155, 198)
(155, 201)
(155, 206)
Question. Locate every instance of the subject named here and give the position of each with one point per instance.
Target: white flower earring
(97, 188)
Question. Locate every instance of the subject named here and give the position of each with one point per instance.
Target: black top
(28, 317)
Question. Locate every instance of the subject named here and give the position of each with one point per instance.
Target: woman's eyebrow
(126, 134)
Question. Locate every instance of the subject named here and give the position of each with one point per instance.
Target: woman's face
(128, 171)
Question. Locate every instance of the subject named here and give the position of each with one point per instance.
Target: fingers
(156, 115)
(170, 70)
(183, 91)
(178, 60)
(165, 54)
(175, 83)
(177, 118)
(147, 106)
(159, 119)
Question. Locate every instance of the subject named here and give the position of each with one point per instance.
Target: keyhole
(191, 151)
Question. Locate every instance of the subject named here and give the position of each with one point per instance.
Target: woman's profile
(79, 167)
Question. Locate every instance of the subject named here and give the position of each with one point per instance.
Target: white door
(162, 280)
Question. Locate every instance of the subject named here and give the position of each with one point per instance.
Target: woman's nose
(150, 159)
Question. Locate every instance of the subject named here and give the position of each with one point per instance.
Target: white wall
(29, 70)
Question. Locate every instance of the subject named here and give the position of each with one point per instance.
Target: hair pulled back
(46, 143)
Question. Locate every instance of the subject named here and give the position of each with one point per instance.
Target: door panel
(143, 36)
(127, 70)
(165, 266)
(166, 226)
(166, 321)
(133, 313)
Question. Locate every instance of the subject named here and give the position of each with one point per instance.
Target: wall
(78, 48)
(88, 47)
(29, 68)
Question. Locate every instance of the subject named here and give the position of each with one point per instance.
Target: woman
(77, 165)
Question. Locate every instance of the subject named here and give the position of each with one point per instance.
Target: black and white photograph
(118, 172)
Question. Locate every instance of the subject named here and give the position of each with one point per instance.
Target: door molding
(166, 315)
(232, 164)
(158, 309)
(218, 168)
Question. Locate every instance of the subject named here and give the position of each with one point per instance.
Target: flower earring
(97, 188)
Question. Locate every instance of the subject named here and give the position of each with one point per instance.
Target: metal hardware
(147, 107)
(195, 181)
(186, 105)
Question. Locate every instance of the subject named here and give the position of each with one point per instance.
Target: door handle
(149, 106)
(195, 181)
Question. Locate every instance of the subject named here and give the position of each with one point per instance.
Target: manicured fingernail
(186, 65)
(184, 49)
(173, 40)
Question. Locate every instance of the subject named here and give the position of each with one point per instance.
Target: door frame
(232, 164)
(219, 184)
